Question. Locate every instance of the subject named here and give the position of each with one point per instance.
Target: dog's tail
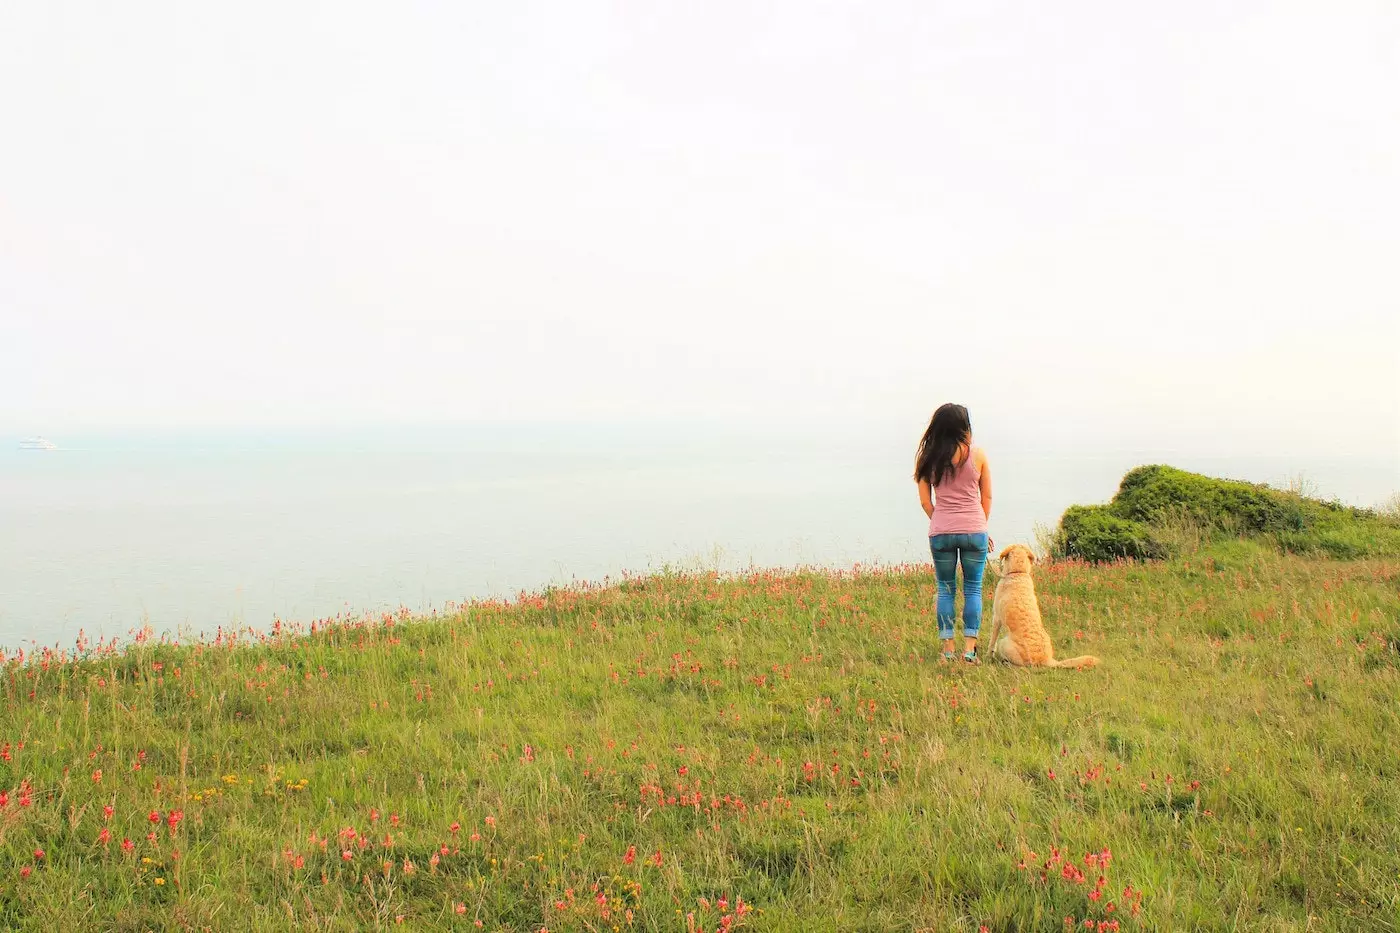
(1083, 661)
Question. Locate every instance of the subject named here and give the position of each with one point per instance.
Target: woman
(955, 489)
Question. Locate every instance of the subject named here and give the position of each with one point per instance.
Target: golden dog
(1015, 609)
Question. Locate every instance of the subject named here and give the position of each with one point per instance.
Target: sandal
(971, 657)
(949, 657)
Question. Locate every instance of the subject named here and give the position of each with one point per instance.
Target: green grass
(784, 738)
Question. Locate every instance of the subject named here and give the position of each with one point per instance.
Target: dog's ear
(1030, 555)
(1004, 551)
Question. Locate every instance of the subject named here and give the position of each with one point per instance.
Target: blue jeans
(948, 550)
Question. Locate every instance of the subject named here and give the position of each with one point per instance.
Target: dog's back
(1016, 611)
(1019, 612)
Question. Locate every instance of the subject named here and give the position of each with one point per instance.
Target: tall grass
(655, 754)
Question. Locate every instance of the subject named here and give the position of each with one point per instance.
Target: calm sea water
(190, 533)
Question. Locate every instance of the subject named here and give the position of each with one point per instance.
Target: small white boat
(37, 443)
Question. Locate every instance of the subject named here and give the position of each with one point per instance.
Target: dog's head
(1016, 558)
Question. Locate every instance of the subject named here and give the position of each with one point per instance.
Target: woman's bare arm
(926, 497)
(985, 482)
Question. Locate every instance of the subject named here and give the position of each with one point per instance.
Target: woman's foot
(971, 657)
(949, 657)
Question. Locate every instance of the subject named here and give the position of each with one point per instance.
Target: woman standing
(955, 489)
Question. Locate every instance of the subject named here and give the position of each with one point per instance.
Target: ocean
(190, 532)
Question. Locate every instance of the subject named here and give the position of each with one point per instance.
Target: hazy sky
(1138, 220)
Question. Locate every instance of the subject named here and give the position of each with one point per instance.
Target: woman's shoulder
(979, 457)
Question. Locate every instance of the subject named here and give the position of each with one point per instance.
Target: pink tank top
(957, 501)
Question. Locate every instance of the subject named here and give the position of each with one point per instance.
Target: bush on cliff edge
(1153, 505)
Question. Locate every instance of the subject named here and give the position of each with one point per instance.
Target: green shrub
(1094, 533)
(1156, 506)
(1151, 493)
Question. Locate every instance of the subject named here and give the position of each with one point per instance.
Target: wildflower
(454, 828)
(154, 816)
(461, 908)
(160, 881)
(127, 845)
(656, 858)
(38, 854)
(346, 855)
(491, 821)
(631, 855)
(97, 776)
(107, 812)
(25, 871)
(105, 836)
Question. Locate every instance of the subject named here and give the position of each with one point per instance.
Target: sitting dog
(1016, 616)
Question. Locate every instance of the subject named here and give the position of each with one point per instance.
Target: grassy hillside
(774, 752)
(1160, 511)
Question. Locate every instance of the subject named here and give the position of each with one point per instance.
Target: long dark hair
(949, 428)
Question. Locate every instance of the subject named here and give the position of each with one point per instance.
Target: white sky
(1140, 220)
